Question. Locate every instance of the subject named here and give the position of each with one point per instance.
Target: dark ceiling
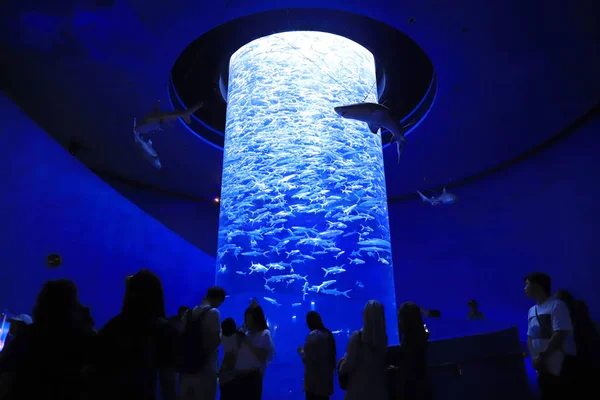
(511, 75)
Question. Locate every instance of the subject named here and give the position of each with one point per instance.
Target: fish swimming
(444, 198)
(336, 292)
(333, 270)
(152, 121)
(258, 268)
(376, 116)
(282, 278)
(147, 150)
(272, 301)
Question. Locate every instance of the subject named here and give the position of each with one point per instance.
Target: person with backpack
(197, 353)
(319, 358)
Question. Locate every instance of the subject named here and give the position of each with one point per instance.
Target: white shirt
(246, 359)
(554, 316)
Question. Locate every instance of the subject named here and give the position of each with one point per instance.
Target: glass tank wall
(304, 221)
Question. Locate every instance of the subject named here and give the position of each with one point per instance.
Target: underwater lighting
(303, 199)
(216, 200)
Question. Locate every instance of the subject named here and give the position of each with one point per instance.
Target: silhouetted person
(231, 341)
(47, 358)
(202, 337)
(587, 342)
(254, 354)
(136, 343)
(167, 377)
(410, 379)
(549, 338)
(177, 320)
(474, 313)
(319, 358)
(364, 361)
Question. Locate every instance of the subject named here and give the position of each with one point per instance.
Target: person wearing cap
(474, 313)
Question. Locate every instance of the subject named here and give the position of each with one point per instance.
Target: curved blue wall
(51, 203)
(540, 214)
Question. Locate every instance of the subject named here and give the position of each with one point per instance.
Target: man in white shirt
(549, 338)
(203, 384)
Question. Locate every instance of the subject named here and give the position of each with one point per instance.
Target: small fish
(270, 289)
(258, 268)
(254, 253)
(333, 270)
(360, 284)
(240, 272)
(318, 288)
(284, 278)
(291, 253)
(336, 292)
(356, 261)
(272, 301)
(296, 304)
(339, 254)
(222, 268)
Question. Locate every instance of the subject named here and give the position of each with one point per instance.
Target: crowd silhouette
(140, 354)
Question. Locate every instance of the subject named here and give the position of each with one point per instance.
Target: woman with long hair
(255, 352)
(410, 375)
(137, 343)
(364, 361)
(319, 358)
(51, 353)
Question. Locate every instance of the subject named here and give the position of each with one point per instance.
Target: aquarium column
(304, 220)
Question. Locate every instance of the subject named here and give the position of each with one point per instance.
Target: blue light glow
(304, 222)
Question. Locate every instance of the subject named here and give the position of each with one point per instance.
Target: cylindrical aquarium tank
(304, 220)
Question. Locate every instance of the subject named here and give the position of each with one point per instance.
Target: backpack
(191, 354)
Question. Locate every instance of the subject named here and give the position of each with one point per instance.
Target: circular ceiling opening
(405, 76)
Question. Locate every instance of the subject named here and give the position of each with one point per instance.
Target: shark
(444, 198)
(376, 116)
(147, 150)
(152, 121)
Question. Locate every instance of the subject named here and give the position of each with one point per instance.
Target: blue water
(304, 222)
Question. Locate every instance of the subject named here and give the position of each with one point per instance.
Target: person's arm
(350, 358)
(561, 326)
(264, 348)
(310, 352)
(212, 322)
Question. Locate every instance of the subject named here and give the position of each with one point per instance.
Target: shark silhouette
(376, 116)
(444, 198)
(152, 121)
(147, 150)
